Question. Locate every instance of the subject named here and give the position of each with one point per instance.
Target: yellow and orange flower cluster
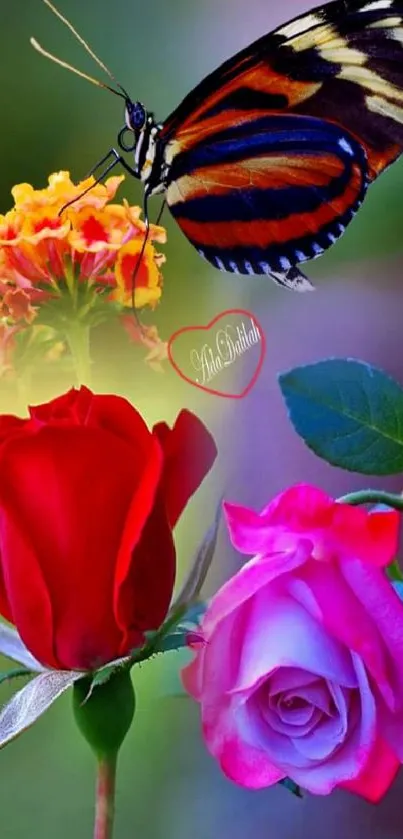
(93, 241)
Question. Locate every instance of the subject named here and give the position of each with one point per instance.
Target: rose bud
(88, 500)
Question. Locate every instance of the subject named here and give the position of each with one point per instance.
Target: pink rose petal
(300, 674)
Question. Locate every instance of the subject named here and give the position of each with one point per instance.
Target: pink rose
(300, 673)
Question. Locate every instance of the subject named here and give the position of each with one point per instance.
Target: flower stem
(373, 496)
(23, 391)
(78, 339)
(105, 797)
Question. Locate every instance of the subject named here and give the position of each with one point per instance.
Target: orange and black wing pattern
(270, 157)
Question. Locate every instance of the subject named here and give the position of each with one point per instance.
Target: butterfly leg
(117, 158)
(100, 163)
(293, 279)
(138, 264)
(159, 217)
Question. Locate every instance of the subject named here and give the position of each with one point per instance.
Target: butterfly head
(135, 116)
(139, 135)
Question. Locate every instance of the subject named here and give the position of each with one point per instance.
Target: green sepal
(393, 572)
(172, 635)
(292, 787)
(200, 566)
(104, 712)
(175, 640)
(101, 676)
(15, 674)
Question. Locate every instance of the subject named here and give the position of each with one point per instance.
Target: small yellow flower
(148, 283)
(61, 190)
(99, 241)
(10, 227)
(45, 223)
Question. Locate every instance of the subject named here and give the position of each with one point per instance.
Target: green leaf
(290, 785)
(348, 413)
(393, 572)
(32, 700)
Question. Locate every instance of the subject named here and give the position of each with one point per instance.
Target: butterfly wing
(286, 191)
(270, 156)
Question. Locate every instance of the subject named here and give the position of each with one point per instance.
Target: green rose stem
(104, 716)
(373, 496)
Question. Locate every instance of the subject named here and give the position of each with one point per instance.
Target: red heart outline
(205, 329)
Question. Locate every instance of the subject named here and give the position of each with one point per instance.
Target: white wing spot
(219, 263)
(381, 106)
(316, 249)
(386, 23)
(285, 263)
(345, 145)
(303, 24)
(248, 267)
(397, 33)
(377, 4)
(366, 78)
(265, 267)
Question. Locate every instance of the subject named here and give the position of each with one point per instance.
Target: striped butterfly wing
(270, 156)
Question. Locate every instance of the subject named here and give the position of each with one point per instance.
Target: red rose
(88, 500)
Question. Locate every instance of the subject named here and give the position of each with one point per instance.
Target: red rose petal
(84, 499)
(189, 453)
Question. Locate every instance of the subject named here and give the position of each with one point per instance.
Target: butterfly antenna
(121, 90)
(72, 69)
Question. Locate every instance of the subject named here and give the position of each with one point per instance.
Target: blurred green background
(50, 120)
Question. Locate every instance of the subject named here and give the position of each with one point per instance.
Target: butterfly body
(264, 164)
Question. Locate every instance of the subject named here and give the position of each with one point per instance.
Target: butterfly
(265, 163)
